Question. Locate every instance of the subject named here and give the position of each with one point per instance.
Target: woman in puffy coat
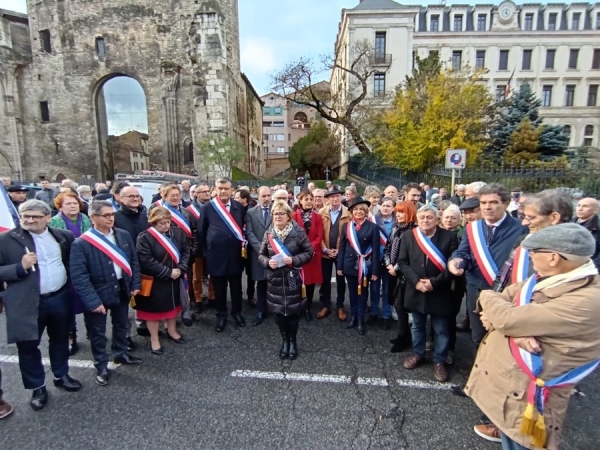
(284, 250)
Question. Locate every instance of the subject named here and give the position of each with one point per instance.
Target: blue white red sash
(430, 250)
(382, 237)
(118, 256)
(539, 390)
(230, 222)
(179, 219)
(193, 209)
(520, 268)
(484, 259)
(166, 243)
(115, 205)
(362, 258)
(280, 248)
(158, 202)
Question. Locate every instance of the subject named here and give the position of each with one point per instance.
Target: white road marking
(322, 378)
(82, 364)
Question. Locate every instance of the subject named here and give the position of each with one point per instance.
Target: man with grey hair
(319, 198)
(350, 194)
(185, 191)
(85, 193)
(459, 194)
(37, 297)
(472, 190)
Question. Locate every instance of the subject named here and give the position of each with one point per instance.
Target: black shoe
(259, 319)
(372, 319)
(352, 322)
(457, 390)
(293, 348)
(308, 315)
(128, 360)
(220, 325)
(361, 327)
(401, 344)
(130, 345)
(67, 383)
(198, 308)
(39, 398)
(103, 378)
(158, 351)
(180, 340)
(239, 320)
(73, 345)
(187, 322)
(252, 301)
(143, 332)
(386, 324)
(204, 299)
(284, 352)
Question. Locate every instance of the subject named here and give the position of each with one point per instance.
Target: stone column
(173, 162)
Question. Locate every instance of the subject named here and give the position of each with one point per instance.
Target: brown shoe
(489, 432)
(342, 314)
(413, 361)
(5, 409)
(440, 373)
(323, 313)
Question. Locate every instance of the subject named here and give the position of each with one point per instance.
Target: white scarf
(587, 270)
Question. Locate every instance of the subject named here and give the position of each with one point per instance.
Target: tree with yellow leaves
(443, 110)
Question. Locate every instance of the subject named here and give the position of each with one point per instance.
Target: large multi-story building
(554, 47)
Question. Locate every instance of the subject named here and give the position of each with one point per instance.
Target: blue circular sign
(456, 159)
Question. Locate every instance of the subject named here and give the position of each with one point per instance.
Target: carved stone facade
(185, 55)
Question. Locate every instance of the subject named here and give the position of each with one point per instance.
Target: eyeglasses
(131, 197)
(36, 217)
(202, 192)
(537, 250)
(279, 214)
(106, 216)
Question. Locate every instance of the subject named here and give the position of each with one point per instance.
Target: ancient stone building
(184, 53)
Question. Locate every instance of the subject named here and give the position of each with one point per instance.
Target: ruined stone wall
(148, 40)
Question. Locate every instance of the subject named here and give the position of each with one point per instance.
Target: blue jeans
(441, 328)
(378, 287)
(509, 444)
(358, 303)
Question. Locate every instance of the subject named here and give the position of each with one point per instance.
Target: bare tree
(222, 152)
(297, 82)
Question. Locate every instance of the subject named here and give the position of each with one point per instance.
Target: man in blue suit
(220, 232)
(485, 246)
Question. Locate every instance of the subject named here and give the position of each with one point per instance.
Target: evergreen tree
(524, 104)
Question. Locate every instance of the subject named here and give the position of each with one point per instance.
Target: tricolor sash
(539, 390)
(230, 222)
(430, 250)
(179, 219)
(362, 259)
(280, 248)
(520, 268)
(382, 237)
(158, 203)
(118, 256)
(484, 259)
(166, 243)
(193, 209)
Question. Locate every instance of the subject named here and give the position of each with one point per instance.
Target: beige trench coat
(566, 321)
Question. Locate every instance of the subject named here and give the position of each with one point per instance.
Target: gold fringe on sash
(528, 424)
(539, 432)
(303, 290)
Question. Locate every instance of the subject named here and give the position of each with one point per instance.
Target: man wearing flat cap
(544, 337)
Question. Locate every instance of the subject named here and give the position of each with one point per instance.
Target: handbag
(148, 281)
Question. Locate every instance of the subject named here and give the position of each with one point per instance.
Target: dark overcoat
(255, 232)
(21, 297)
(368, 236)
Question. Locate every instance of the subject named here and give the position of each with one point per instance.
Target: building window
(135, 166)
(434, 22)
(547, 95)
(567, 131)
(280, 149)
(528, 25)
(457, 60)
(278, 111)
(265, 137)
(596, 59)
(289, 136)
(380, 38)
(278, 124)
(266, 110)
(100, 49)
(503, 60)
(379, 87)
(45, 41)
(526, 60)
(550, 54)
(552, 21)
(500, 93)
(588, 135)
(575, 21)
(569, 94)
(592, 95)
(141, 166)
(481, 22)
(458, 18)
(573, 55)
(265, 149)
(280, 137)
(45, 110)
(598, 21)
(480, 59)
(190, 154)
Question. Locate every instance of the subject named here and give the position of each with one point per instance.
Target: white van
(147, 190)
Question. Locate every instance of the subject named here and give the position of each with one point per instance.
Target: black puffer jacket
(284, 284)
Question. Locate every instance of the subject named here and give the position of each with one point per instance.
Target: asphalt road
(188, 399)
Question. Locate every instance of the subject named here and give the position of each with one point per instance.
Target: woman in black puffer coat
(286, 296)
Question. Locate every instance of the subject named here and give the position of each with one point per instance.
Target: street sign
(456, 158)
(297, 190)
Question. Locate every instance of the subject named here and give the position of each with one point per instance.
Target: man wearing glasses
(106, 274)
(34, 265)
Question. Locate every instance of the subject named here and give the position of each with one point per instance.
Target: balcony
(276, 155)
(380, 60)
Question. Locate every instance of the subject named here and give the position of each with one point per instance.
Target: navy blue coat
(368, 235)
(93, 273)
(222, 249)
(502, 243)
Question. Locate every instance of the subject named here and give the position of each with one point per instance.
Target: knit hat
(565, 238)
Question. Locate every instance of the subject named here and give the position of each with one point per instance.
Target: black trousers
(288, 324)
(327, 265)
(478, 331)
(95, 324)
(310, 293)
(54, 316)
(1, 391)
(396, 295)
(250, 289)
(235, 289)
(261, 296)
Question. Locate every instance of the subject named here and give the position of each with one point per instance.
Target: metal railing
(381, 60)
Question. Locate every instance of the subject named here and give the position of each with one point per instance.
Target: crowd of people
(525, 264)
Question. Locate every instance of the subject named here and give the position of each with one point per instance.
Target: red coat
(312, 271)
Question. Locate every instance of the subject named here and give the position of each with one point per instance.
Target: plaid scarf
(395, 237)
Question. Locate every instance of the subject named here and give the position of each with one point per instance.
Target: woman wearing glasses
(284, 250)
